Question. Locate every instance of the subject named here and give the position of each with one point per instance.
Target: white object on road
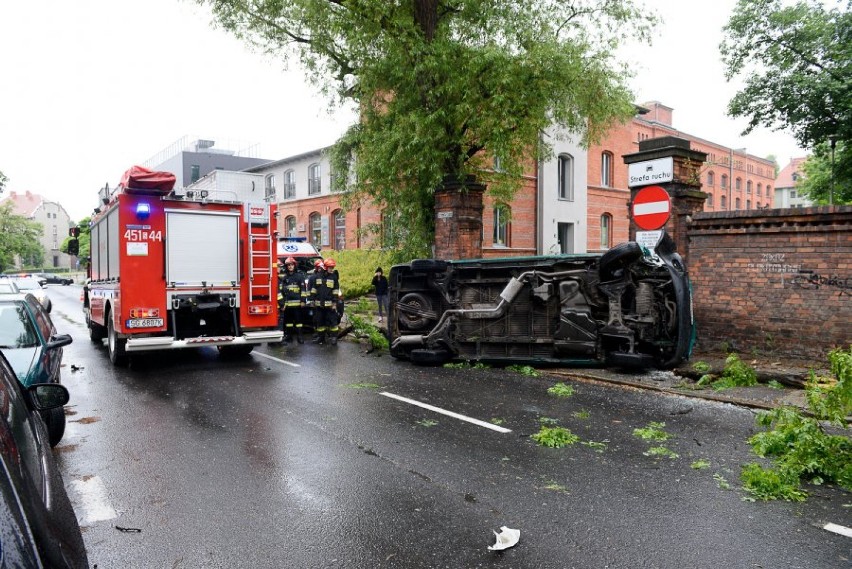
(507, 538)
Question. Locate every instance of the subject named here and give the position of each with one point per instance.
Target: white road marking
(447, 413)
(842, 530)
(92, 504)
(285, 362)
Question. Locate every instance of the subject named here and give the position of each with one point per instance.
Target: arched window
(566, 177)
(737, 202)
(711, 178)
(339, 229)
(723, 181)
(748, 187)
(314, 179)
(290, 226)
(606, 231)
(289, 184)
(723, 203)
(606, 169)
(709, 199)
(501, 225)
(759, 189)
(768, 190)
(315, 234)
(269, 187)
(748, 204)
(738, 184)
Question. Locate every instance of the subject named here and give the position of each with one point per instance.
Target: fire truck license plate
(145, 323)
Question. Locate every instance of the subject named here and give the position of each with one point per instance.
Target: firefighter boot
(299, 337)
(332, 338)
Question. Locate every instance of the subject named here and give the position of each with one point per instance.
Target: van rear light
(260, 309)
(144, 312)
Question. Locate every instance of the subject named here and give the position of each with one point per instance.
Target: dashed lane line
(285, 362)
(447, 413)
(92, 503)
(842, 530)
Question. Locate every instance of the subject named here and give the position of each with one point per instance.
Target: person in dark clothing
(324, 293)
(380, 283)
(292, 300)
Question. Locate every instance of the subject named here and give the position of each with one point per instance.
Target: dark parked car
(39, 528)
(626, 308)
(53, 278)
(30, 342)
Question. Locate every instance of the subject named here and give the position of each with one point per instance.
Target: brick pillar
(458, 219)
(684, 189)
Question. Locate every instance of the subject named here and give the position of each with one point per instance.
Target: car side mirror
(48, 395)
(58, 341)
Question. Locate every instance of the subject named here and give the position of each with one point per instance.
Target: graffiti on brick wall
(774, 263)
(809, 280)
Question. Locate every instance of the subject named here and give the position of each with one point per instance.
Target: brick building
(732, 178)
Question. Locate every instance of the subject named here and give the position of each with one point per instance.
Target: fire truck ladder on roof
(260, 265)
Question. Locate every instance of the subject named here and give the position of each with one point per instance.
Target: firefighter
(292, 298)
(330, 266)
(324, 292)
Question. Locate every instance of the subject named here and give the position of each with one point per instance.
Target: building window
(759, 187)
(768, 190)
(339, 230)
(290, 226)
(606, 169)
(748, 204)
(289, 184)
(709, 200)
(194, 173)
(723, 203)
(738, 184)
(566, 177)
(606, 231)
(737, 202)
(316, 229)
(748, 187)
(501, 225)
(711, 178)
(269, 187)
(314, 180)
(792, 194)
(723, 181)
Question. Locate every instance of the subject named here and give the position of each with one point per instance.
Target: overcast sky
(91, 87)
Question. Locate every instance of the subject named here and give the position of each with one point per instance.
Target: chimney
(659, 113)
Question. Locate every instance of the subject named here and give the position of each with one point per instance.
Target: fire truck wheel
(235, 351)
(117, 354)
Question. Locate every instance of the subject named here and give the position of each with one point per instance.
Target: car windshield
(16, 328)
(27, 283)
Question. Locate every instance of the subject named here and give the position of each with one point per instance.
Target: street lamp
(832, 140)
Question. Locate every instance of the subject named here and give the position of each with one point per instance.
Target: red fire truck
(179, 269)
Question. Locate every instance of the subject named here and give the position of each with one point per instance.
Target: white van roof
(296, 249)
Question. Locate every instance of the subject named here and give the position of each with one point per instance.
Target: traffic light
(74, 232)
(74, 246)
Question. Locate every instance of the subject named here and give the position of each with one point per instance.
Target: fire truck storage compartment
(104, 249)
(189, 233)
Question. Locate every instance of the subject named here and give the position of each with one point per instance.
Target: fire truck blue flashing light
(143, 210)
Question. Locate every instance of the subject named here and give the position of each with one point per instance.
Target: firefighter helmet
(318, 264)
(289, 261)
(329, 263)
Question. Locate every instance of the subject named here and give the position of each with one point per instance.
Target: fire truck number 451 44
(142, 235)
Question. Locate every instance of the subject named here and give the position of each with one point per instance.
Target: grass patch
(554, 437)
(653, 432)
(561, 390)
(523, 370)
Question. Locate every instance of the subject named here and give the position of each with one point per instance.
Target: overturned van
(628, 308)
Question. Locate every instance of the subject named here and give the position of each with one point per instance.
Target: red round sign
(651, 208)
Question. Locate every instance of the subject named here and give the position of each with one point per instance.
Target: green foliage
(653, 432)
(364, 329)
(554, 437)
(582, 414)
(427, 422)
(771, 484)
(721, 481)
(700, 464)
(833, 401)
(3, 181)
(19, 236)
(736, 374)
(442, 88)
(523, 370)
(796, 59)
(816, 184)
(356, 268)
(561, 390)
(701, 367)
(363, 386)
(595, 445)
(661, 452)
(466, 365)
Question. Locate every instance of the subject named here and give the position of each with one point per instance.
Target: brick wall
(773, 280)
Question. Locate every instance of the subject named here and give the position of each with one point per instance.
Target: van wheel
(413, 311)
(116, 346)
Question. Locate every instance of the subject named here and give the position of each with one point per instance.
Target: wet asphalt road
(299, 460)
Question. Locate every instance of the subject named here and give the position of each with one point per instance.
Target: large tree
(797, 63)
(828, 180)
(445, 86)
(18, 236)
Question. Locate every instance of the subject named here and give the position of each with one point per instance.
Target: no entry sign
(651, 208)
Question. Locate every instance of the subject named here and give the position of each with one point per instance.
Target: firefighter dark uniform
(291, 300)
(324, 292)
